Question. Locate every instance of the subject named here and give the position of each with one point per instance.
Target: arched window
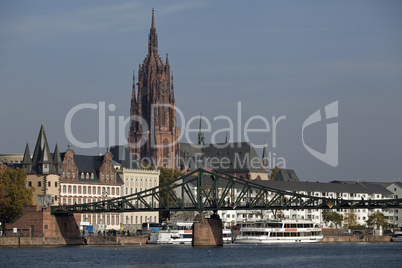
(82, 175)
(92, 175)
(165, 152)
(87, 176)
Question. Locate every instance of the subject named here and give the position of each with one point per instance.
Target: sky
(265, 65)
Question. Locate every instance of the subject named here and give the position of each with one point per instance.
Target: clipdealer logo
(330, 156)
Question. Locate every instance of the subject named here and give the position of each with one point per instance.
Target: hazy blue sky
(278, 58)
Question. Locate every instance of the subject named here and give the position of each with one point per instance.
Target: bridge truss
(204, 190)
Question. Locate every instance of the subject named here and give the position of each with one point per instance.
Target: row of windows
(104, 219)
(146, 219)
(86, 176)
(136, 179)
(49, 184)
(101, 190)
(78, 200)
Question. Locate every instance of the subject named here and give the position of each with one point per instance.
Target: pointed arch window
(165, 152)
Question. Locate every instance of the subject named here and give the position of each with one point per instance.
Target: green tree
(332, 216)
(377, 219)
(13, 194)
(167, 175)
(350, 219)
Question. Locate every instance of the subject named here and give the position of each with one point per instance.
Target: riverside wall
(141, 240)
(60, 241)
(355, 238)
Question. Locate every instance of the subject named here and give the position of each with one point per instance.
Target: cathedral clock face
(144, 91)
(163, 91)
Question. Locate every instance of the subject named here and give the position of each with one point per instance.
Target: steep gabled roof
(286, 175)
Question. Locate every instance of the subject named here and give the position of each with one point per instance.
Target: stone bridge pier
(207, 232)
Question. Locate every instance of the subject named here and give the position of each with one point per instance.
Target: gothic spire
(153, 20)
(56, 156)
(27, 156)
(27, 161)
(264, 158)
(133, 99)
(201, 133)
(41, 152)
(172, 90)
(153, 37)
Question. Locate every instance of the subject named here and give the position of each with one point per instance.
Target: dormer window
(82, 175)
(87, 176)
(92, 175)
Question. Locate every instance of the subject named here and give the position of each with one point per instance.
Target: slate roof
(89, 164)
(238, 156)
(286, 175)
(123, 157)
(312, 186)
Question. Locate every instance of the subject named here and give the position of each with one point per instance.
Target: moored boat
(181, 233)
(397, 237)
(285, 231)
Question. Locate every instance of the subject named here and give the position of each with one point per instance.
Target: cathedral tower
(153, 136)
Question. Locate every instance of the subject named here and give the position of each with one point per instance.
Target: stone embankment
(355, 238)
(59, 241)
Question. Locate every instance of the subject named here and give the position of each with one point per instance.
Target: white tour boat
(286, 231)
(181, 233)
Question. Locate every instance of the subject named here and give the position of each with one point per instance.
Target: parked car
(357, 232)
(387, 232)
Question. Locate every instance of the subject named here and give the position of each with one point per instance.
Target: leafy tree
(166, 176)
(350, 219)
(377, 219)
(274, 171)
(13, 194)
(332, 216)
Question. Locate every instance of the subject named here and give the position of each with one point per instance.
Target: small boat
(285, 231)
(227, 235)
(181, 233)
(177, 233)
(397, 237)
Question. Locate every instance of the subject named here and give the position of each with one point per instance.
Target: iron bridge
(205, 190)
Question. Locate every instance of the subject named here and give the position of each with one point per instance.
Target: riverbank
(60, 241)
(141, 240)
(355, 238)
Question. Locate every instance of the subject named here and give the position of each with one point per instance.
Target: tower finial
(153, 19)
(200, 133)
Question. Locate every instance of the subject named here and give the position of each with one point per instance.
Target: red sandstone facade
(153, 136)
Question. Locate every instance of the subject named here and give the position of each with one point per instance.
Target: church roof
(123, 157)
(286, 175)
(237, 156)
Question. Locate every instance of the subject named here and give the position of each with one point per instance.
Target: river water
(280, 255)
